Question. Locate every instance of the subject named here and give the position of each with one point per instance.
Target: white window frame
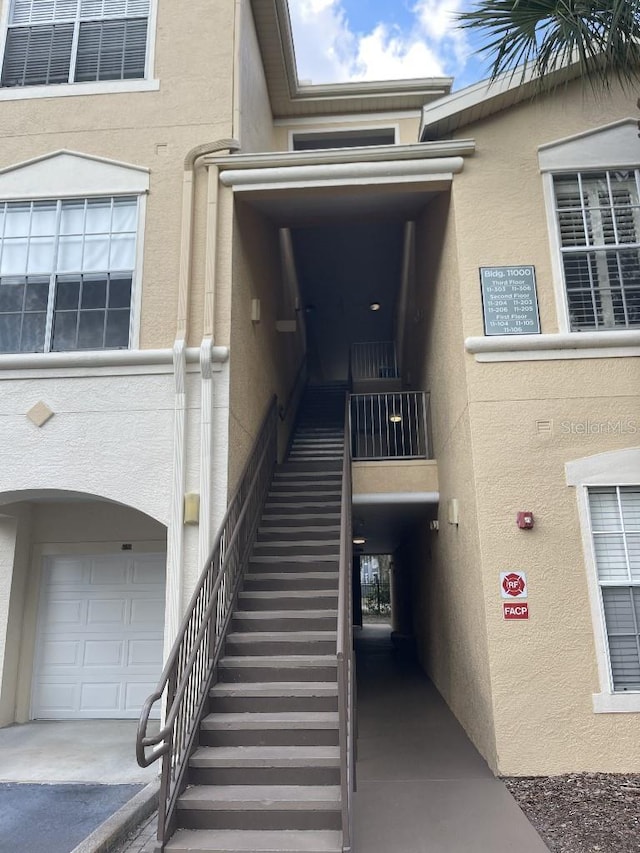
(612, 147)
(336, 133)
(104, 87)
(617, 468)
(70, 175)
(598, 246)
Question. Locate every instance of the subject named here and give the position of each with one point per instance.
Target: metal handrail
(390, 425)
(344, 649)
(373, 360)
(189, 670)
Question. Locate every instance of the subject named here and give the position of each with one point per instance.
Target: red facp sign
(514, 584)
(515, 611)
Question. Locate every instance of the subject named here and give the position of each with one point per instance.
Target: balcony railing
(390, 426)
(374, 360)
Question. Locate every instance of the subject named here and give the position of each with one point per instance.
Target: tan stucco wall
(254, 122)
(543, 671)
(449, 608)
(153, 129)
(263, 361)
(389, 476)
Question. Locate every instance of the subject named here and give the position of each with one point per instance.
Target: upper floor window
(71, 41)
(615, 528)
(354, 138)
(66, 273)
(598, 217)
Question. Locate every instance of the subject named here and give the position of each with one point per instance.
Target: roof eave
(484, 99)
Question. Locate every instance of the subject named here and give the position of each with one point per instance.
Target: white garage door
(100, 634)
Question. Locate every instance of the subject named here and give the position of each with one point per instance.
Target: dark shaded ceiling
(341, 270)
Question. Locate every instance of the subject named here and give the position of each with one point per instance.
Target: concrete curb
(116, 828)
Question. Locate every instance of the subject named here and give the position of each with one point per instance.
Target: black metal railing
(344, 649)
(373, 360)
(390, 426)
(188, 673)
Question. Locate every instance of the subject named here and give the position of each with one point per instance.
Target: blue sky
(339, 40)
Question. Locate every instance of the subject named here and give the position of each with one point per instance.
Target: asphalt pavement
(55, 818)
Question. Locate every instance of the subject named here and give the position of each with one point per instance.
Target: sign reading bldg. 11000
(509, 300)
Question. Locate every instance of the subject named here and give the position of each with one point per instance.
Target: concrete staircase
(265, 777)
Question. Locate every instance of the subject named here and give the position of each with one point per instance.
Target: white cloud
(327, 50)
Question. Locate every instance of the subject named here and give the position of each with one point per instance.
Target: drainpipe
(175, 532)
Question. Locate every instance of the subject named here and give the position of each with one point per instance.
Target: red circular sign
(513, 584)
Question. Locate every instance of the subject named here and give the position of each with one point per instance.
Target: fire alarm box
(524, 520)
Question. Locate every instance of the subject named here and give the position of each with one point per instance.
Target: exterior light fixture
(359, 540)
(395, 419)
(375, 306)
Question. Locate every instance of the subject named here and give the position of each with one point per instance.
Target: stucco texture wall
(263, 361)
(526, 420)
(449, 606)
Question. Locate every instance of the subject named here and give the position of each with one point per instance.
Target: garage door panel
(104, 571)
(135, 695)
(99, 647)
(110, 610)
(144, 571)
(145, 611)
(67, 571)
(147, 653)
(102, 697)
(58, 698)
(67, 613)
(103, 653)
(60, 653)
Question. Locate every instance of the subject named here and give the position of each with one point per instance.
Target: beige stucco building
(186, 230)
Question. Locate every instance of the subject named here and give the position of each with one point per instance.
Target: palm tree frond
(602, 36)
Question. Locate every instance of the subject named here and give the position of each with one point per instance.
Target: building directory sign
(509, 300)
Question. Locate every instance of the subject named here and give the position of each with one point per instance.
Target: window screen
(615, 525)
(598, 217)
(67, 41)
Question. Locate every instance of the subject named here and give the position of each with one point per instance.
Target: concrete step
(291, 494)
(290, 580)
(278, 516)
(322, 504)
(284, 620)
(277, 728)
(274, 696)
(300, 599)
(308, 530)
(254, 841)
(255, 668)
(281, 643)
(293, 565)
(290, 547)
(268, 807)
(265, 765)
(298, 559)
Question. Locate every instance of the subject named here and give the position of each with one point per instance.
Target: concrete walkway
(422, 785)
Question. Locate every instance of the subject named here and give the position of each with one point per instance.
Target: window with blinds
(615, 526)
(72, 41)
(598, 216)
(66, 274)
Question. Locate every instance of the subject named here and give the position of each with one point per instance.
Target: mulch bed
(582, 812)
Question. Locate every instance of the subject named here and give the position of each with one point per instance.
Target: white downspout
(175, 531)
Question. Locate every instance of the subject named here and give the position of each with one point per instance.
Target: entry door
(99, 636)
